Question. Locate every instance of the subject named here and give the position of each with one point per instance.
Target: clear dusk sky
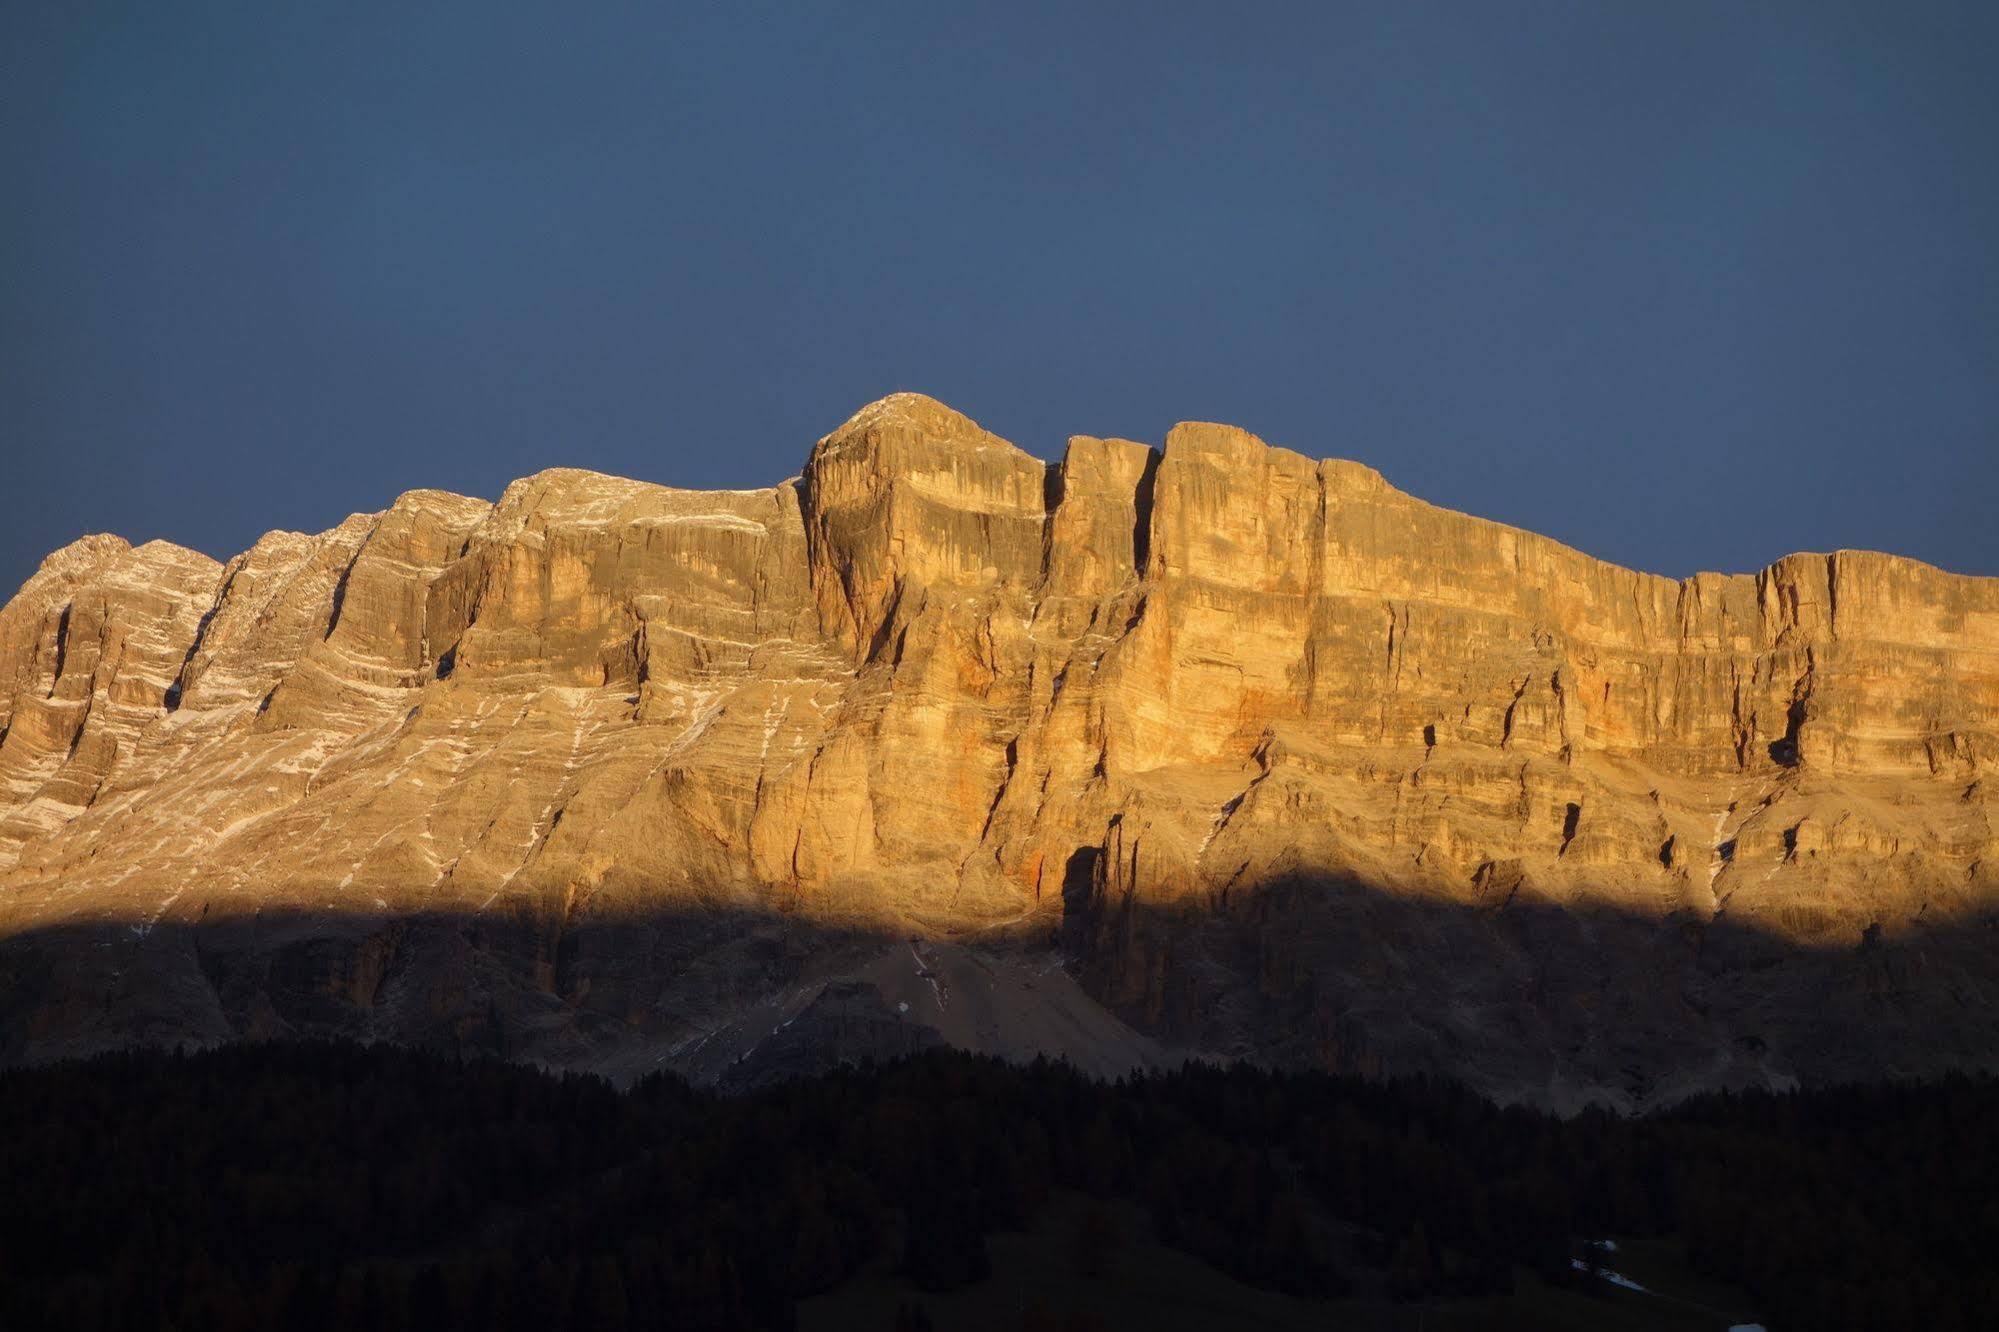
(1687, 285)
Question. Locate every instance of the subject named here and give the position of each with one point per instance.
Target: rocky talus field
(1208, 749)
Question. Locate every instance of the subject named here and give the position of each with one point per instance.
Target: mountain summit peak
(910, 416)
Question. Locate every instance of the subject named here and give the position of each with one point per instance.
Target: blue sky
(1687, 285)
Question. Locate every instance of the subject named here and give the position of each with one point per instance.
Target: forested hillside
(333, 1186)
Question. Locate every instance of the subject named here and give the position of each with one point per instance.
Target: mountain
(1208, 748)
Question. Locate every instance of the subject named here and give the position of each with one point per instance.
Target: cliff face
(1294, 764)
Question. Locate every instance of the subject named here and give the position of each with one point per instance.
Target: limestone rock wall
(935, 684)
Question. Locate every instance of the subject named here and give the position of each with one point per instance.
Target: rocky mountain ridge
(1291, 764)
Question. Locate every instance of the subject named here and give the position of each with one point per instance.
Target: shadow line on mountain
(1539, 1000)
(1556, 1004)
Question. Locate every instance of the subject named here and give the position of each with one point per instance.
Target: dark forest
(332, 1186)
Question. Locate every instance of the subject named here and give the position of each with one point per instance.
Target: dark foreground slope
(331, 1186)
(1556, 1006)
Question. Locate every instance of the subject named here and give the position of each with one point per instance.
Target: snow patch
(1614, 1278)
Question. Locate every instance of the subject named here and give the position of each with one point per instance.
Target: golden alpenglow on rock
(1205, 749)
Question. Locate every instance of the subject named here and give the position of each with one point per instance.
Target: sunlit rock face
(1293, 764)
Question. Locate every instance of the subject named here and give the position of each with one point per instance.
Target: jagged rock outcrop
(1295, 765)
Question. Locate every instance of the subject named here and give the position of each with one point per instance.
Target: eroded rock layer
(1294, 766)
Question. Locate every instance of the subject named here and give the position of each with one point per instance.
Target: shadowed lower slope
(1556, 1006)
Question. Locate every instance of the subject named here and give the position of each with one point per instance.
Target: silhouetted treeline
(334, 1186)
